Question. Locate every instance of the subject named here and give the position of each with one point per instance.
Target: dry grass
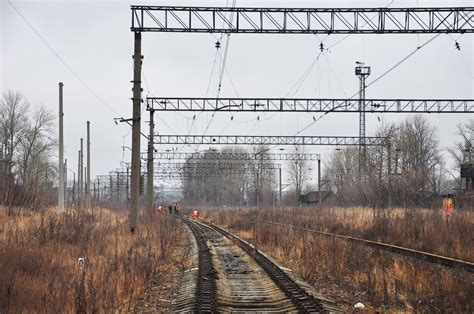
(352, 272)
(39, 260)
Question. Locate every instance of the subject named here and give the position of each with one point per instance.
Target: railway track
(233, 276)
(425, 256)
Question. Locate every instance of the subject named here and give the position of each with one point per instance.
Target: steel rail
(305, 302)
(433, 258)
(206, 300)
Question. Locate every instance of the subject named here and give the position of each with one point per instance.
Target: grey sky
(94, 39)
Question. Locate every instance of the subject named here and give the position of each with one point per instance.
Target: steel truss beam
(210, 166)
(234, 156)
(301, 20)
(264, 140)
(203, 172)
(311, 105)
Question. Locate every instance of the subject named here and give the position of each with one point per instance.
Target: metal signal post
(362, 72)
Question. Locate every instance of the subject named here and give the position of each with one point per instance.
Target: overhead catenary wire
(378, 78)
(222, 67)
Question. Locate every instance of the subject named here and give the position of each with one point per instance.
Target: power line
(60, 58)
(70, 69)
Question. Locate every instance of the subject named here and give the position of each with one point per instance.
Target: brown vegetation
(351, 272)
(39, 255)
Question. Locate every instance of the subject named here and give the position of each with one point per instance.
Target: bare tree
(463, 150)
(27, 140)
(13, 123)
(411, 167)
(298, 170)
(36, 145)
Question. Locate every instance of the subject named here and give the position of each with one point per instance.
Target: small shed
(312, 197)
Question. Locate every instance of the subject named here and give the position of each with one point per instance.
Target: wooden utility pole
(61, 152)
(149, 181)
(137, 97)
(88, 173)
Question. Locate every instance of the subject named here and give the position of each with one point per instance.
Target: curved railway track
(233, 276)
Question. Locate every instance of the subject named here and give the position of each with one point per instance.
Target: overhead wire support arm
(265, 140)
(302, 20)
(311, 105)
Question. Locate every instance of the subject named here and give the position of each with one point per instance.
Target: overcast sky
(94, 40)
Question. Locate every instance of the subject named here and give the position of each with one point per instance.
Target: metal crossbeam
(301, 20)
(311, 105)
(209, 166)
(264, 140)
(203, 172)
(180, 177)
(234, 156)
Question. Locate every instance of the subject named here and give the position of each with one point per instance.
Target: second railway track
(232, 276)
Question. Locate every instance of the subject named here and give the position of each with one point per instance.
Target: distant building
(467, 173)
(328, 198)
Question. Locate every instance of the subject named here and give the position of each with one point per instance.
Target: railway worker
(176, 208)
(170, 209)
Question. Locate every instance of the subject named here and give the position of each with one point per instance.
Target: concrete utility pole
(98, 197)
(279, 181)
(111, 188)
(137, 97)
(319, 185)
(61, 152)
(81, 174)
(149, 181)
(88, 173)
(119, 198)
(127, 192)
(389, 170)
(73, 188)
(258, 189)
(65, 182)
(79, 179)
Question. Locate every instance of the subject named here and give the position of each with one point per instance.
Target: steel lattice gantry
(265, 140)
(192, 166)
(234, 156)
(204, 172)
(311, 105)
(302, 20)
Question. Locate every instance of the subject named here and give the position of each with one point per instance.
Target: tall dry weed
(39, 260)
